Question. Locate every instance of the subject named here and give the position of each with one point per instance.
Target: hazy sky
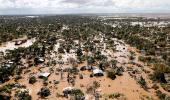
(83, 6)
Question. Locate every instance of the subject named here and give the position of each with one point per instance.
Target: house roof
(41, 59)
(97, 71)
(44, 74)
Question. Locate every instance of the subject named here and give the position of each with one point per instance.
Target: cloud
(141, 4)
(83, 6)
(90, 2)
(76, 1)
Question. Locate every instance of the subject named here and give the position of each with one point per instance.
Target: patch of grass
(115, 95)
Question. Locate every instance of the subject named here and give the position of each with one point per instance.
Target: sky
(83, 6)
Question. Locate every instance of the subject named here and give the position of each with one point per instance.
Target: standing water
(11, 45)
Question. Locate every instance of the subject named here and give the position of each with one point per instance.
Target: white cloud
(81, 6)
(141, 3)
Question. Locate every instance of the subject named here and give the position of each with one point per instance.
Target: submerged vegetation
(107, 54)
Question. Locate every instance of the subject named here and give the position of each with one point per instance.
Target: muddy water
(122, 84)
(65, 56)
(11, 45)
(126, 84)
(122, 52)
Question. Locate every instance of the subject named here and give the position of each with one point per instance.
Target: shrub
(32, 80)
(119, 71)
(77, 94)
(131, 57)
(161, 68)
(115, 95)
(61, 50)
(158, 76)
(92, 88)
(80, 76)
(79, 52)
(23, 95)
(7, 88)
(111, 74)
(17, 78)
(113, 62)
(141, 58)
(161, 95)
(44, 92)
(90, 60)
(142, 82)
(74, 70)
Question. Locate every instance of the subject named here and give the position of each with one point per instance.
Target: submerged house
(39, 60)
(98, 72)
(43, 74)
(20, 42)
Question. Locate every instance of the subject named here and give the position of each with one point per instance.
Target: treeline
(16, 27)
(152, 43)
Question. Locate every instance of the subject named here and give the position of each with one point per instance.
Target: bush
(7, 88)
(44, 92)
(148, 59)
(17, 78)
(119, 71)
(77, 94)
(142, 82)
(80, 76)
(23, 95)
(115, 95)
(74, 71)
(131, 57)
(113, 62)
(32, 80)
(161, 95)
(90, 60)
(141, 58)
(161, 68)
(61, 50)
(111, 74)
(92, 88)
(158, 76)
(79, 52)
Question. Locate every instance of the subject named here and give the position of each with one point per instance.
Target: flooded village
(78, 57)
